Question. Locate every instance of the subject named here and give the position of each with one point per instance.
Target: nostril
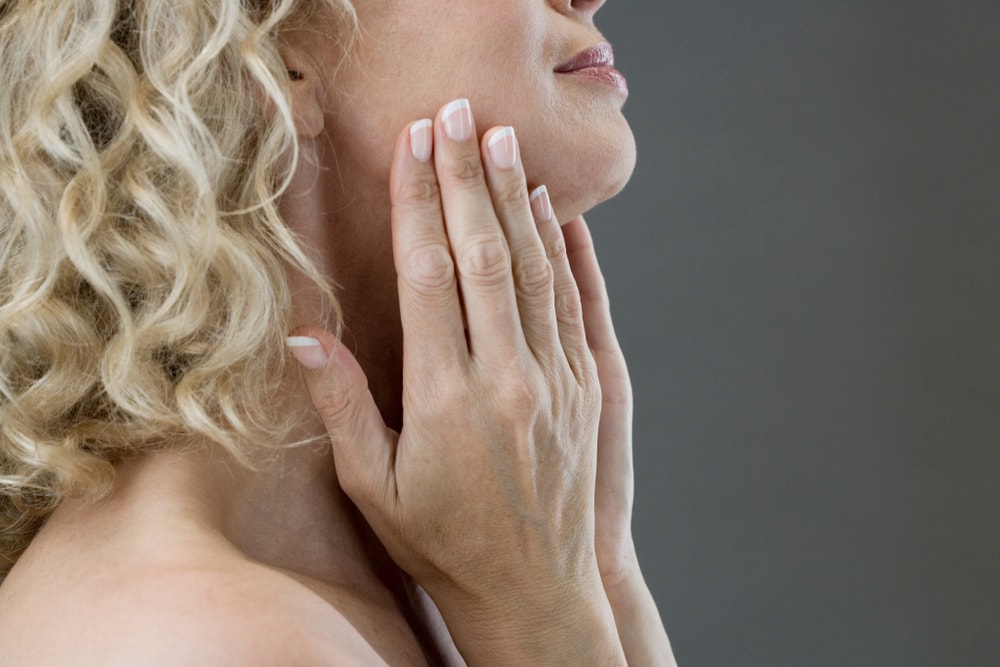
(587, 7)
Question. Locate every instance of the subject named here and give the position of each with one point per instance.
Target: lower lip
(608, 75)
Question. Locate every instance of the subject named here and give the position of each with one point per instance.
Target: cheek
(573, 138)
(416, 58)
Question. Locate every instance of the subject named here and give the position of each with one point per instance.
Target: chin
(595, 178)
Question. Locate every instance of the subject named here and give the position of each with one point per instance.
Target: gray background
(804, 275)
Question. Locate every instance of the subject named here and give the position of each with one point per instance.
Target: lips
(599, 55)
(596, 63)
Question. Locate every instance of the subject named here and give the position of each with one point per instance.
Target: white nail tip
(419, 125)
(301, 341)
(540, 204)
(420, 139)
(454, 106)
(500, 135)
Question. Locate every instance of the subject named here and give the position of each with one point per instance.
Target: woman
(184, 185)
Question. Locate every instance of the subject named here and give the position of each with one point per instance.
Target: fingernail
(541, 205)
(457, 117)
(421, 139)
(503, 148)
(308, 351)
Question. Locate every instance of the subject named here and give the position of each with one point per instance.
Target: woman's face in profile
(413, 56)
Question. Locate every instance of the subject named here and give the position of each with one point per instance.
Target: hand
(486, 496)
(615, 479)
(640, 628)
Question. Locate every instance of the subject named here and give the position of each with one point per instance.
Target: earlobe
(307, 94)
(307, 106)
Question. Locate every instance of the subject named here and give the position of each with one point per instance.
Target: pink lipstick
(597, 62)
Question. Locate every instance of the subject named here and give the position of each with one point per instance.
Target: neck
(348, 238)
(288, 512)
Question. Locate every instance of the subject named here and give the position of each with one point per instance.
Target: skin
(517, 401)
(573, 134)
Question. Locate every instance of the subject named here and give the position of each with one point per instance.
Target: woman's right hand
(486, 496)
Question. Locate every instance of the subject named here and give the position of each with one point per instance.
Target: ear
(308, 93)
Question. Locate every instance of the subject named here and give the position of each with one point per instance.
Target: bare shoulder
(219, 611)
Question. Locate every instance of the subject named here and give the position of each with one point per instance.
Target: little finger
(568, 308)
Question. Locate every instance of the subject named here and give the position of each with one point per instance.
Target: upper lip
(598, 55)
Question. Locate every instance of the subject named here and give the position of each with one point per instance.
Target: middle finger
(482, 257)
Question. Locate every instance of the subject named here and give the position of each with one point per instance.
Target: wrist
(561, 626)
(640, 627)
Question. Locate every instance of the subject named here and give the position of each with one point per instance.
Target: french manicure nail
(457, 117)
(541, 205)
(308, 351)
(503, 148)
(421, 139)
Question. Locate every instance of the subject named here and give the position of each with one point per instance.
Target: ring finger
(533, 279)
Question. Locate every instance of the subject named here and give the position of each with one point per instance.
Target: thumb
(363, 446)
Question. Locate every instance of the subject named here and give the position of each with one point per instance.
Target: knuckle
(596, 293)
(534, 276)
(485, 259)
(617, 399)
(520, 396)
(336, 408)
(430, 269)
(591, 397)
(466, 170)
(569, 310)
(420, 192)
(512, 194)
(555, 246)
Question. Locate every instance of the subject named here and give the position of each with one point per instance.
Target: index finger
(590, 281)
(431, 314)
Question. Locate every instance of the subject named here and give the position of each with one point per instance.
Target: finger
(431, 314)
(568, 309)
(363, 447)
(482, 258)
(533, 278)
(590, 282)
(615, 480)
(616, 387)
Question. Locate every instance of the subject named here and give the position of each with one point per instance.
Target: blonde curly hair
(143, 263)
